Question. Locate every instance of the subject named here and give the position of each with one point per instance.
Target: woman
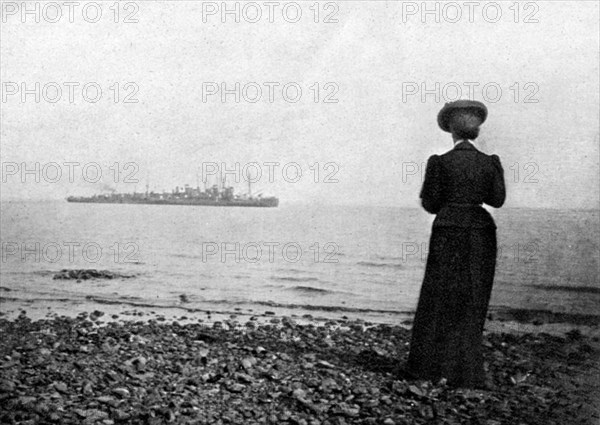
(448, 326)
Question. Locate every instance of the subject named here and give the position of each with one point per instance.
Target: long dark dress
(448, 326)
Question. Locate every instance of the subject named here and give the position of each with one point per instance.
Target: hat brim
(473, 106)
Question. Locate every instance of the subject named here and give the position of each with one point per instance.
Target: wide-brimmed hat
(449, 108)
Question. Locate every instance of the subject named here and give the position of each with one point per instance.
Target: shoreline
(500, 318)
(275, 370)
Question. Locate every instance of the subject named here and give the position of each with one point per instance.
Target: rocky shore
(85, 274)
(83, 371)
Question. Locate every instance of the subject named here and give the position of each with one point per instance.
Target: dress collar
(464, 145)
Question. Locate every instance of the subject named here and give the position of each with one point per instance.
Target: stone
(121, 392)
(7, 386)
(61, 387)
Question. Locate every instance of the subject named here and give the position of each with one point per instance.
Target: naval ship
(209, 197)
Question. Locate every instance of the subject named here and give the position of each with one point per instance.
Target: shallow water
(359, 261)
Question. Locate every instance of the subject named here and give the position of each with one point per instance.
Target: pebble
(87, 388)
(236, 388)
(7, 386)
(122, 392)
(299, 393)
(61, 387)
(139, 363)
(267, 374)
(248, 362)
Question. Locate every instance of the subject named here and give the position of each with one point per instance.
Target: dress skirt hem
(448, 326)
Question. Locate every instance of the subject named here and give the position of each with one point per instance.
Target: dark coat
(447, 330)
(463, 176)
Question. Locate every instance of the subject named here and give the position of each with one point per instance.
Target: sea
(320, 260)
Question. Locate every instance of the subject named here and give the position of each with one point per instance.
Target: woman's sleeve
(497, 192)
(431, 192)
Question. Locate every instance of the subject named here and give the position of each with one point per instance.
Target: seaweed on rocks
(85, 274)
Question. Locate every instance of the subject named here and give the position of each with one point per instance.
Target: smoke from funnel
(107, 188)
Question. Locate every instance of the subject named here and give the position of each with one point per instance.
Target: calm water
(308, 259)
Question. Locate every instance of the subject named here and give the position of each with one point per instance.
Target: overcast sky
(544, 124)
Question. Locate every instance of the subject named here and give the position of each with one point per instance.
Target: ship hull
(258, 203)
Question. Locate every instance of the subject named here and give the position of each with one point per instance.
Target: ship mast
(204, 180)
(249, 184)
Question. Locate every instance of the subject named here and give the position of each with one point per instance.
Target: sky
(382, 71)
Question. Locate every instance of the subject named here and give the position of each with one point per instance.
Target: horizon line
(330, 204)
